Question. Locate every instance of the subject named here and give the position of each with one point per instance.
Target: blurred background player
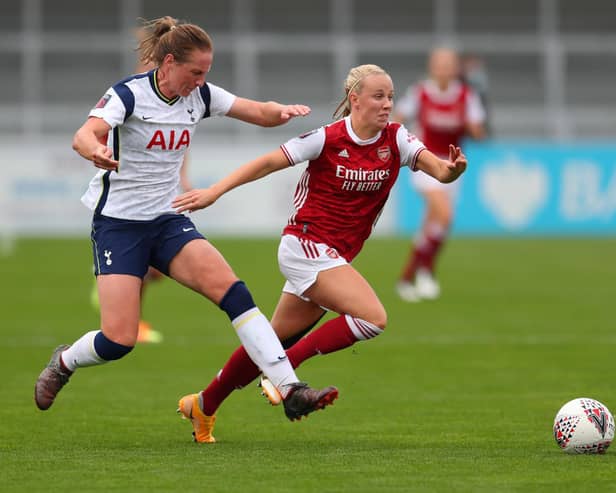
(475, 74)
(444, 110)
(147, 334)
(352, 165)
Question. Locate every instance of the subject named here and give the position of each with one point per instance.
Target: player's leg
(119, 300)
(201, 267)
(316, 273)
(417, 278)
(293, 339)
(146, 333)
(119, 280)
(365, 318)
(345, 291)
(439, 213)
(240, 370)
(341, 289)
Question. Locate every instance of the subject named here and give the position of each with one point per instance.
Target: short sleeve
(407, 105)
(305, 147)
(475, 112)
(410, 147)
(221, 100)
(111, 107)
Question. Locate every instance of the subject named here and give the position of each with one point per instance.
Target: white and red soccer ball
(584, 426)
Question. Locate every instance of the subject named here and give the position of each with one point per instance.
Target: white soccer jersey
(150, 135)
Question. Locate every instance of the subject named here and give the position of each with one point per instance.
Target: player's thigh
(293, 315)
(344, 290)
(202, 268)
(439, 205)
(120, 306)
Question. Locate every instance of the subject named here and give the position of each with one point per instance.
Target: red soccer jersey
(341, 193)
(442, 120)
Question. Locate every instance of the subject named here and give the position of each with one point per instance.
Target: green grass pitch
(457, 395)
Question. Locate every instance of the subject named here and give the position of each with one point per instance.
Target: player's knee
(447, 219)
(379, 319)
(377, 316)
(109, 350)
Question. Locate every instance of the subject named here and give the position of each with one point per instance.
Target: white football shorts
(423, 182)
(301, 260)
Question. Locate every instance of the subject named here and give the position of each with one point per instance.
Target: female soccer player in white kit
(352, 165)
(150, 119)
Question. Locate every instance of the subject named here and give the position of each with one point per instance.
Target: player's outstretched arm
(443, 170)
(253, 170)
(269, 114)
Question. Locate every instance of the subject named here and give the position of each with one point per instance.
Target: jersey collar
(155, 88)
(355, 138)
(450, 94)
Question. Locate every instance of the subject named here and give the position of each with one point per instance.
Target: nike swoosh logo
(281, 358)
(146, 117)
(187, 229)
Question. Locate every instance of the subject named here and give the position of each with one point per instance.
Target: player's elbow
(76, 142)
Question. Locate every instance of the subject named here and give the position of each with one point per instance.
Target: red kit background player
(443, 110)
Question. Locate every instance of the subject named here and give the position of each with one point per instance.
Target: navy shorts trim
(122, 246)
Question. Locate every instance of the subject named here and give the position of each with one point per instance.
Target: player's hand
(102, 158)
(194, 200)
(292, 110)
(457, 162)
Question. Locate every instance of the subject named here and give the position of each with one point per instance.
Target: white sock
(361, 329)
(82, 353)
(264, 348)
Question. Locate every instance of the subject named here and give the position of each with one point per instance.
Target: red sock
(331, 336)
(238, 372)
(433, 246)
(423, 255)
(416, 258)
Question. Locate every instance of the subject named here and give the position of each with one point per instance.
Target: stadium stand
(552, 63)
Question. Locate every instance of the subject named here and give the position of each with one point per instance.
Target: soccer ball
(584, 426)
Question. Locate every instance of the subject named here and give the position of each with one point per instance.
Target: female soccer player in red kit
(445, 110)
(352, 165)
